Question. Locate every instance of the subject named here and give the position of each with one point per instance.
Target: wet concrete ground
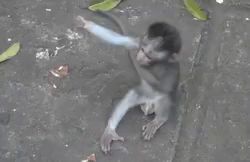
(40, 123)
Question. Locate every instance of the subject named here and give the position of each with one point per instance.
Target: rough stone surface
(47, 119)
(215, 124)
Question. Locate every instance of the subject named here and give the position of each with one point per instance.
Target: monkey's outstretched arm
(108, 35)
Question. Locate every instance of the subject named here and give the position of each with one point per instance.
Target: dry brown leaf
(90, 158)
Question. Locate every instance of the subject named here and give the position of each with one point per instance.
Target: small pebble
(54, 86)
(219, 1)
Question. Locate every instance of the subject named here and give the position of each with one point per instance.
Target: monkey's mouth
(148, 57)
(143, 58)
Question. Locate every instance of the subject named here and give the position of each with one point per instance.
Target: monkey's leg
(162, 107)
(130, 100)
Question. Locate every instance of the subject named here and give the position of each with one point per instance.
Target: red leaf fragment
(60, 71)
(90, 158)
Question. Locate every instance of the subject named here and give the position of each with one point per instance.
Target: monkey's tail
(114, 20)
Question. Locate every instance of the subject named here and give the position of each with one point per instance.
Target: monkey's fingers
(82, 22)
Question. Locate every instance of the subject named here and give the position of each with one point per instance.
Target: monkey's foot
(147, 108)
(108, 136)
(149, 130)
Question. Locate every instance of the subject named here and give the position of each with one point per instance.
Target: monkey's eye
(149, 52)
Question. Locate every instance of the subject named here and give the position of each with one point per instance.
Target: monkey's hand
(108, 136)
(82, 22)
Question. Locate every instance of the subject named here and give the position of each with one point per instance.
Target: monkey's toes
(106, 139)
(148, 130)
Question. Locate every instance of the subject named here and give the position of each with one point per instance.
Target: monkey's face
(148, 53)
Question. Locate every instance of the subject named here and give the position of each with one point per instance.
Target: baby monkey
(158, 71)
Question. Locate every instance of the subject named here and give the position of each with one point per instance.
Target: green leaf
(106, 5)
(10, 52)
(194, 8)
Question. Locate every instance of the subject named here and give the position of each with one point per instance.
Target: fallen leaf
(90, 158)
(60, 71)
(194, 8)
(10, 52)
(106, 5)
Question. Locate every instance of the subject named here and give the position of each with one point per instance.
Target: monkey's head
(159, 44)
